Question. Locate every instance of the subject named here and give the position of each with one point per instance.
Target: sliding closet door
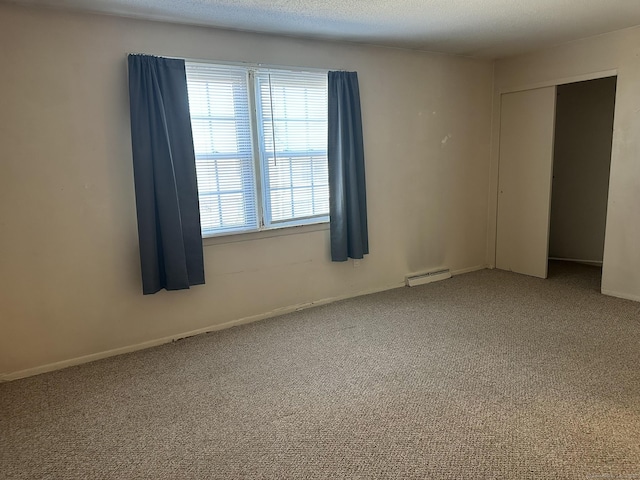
(527, 121)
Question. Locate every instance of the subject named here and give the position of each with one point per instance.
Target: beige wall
(581, 160)
(579, 60)
(69, 271)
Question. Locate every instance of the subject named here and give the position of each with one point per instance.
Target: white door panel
(527, 122)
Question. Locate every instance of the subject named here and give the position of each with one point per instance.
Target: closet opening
(580, 182)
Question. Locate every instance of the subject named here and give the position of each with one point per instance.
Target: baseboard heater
(416, 279)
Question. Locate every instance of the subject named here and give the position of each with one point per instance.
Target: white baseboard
(50, 367)
(597, 263)
(469, 269)
(29, 372)
(626, 296)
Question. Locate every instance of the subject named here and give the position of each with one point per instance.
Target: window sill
(272, 232)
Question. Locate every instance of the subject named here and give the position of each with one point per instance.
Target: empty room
(309, 240)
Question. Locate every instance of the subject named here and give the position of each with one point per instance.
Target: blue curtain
(347, 197)
(169, 235)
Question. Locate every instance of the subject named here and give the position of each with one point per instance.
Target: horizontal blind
(292, 124)
(219, 105)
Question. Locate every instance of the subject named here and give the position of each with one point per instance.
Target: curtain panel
(347, 196)
(170, 240)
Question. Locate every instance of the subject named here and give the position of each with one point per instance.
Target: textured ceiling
(483, 28)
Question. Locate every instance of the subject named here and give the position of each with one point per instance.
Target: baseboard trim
(50, 367)
(469, 269)
(597, 263)
(625, 296)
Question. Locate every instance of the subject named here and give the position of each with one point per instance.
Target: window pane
(281, 203)
(292, 122)
(303, 202)
(214, 136)
(218, 101)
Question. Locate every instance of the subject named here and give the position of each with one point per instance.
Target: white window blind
(292, 121)
(280, 115)
(221, 125)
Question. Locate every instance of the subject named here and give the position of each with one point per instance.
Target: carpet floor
(488, 375)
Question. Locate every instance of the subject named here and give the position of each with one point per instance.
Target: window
(260, 140)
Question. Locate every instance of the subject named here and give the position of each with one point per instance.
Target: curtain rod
(245, 64)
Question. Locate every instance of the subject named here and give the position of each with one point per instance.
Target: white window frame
(259, 167)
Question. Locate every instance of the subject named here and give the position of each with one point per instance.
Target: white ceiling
(482, 28)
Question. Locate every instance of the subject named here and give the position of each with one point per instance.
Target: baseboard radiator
(436, 275)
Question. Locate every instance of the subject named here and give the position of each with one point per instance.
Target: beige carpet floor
(486, 375)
